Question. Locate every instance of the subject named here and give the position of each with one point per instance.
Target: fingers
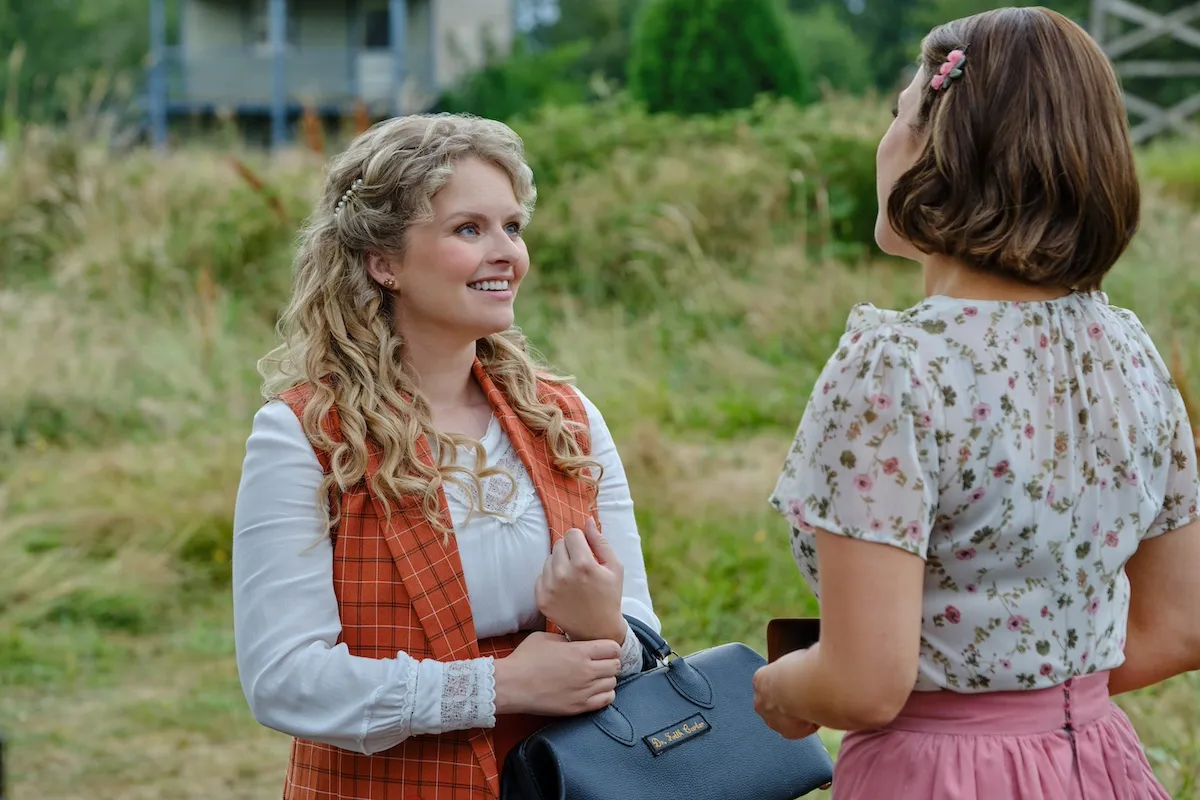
(607, 668)
(600, 547)
(603, 649)
(560, 560)
(599, 701)
(578, 548)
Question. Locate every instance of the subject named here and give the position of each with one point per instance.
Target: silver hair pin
(346, 195)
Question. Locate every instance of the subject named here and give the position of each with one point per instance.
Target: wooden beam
(156, 95)
(1134, 13)
(1157, 69)
(1177, 25)
(1168, 25)
(398, 37)
(1158, 120)
(277, 14)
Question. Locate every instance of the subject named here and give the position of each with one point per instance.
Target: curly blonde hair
(338, 329)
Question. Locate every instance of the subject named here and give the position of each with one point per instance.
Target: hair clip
(346, 195)
(950, 70)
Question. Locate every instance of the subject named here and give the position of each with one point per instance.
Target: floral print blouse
(1023, 450)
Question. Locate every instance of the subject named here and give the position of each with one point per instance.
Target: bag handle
(688, 681)
(655, 649)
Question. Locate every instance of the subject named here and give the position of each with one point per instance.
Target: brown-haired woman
(995, 492)
(463, 592)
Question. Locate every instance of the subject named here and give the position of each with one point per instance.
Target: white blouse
(299, 680)
(1023, 450)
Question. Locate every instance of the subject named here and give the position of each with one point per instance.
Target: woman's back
(1048, 429)
(1012, 450)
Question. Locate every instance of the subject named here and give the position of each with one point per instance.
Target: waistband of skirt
(1077, 702)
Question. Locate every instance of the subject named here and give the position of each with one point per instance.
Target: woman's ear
(382, 270)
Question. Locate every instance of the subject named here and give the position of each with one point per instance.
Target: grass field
(136, 296)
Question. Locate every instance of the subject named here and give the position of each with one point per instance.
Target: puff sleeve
(864, 460)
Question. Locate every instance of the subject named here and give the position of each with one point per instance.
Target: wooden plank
(1174, 25)
(1157, 119)
(1164, 26)
(1135, 13)
(1157, 69)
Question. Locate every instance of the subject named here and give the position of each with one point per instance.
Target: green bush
(628, 198)
(523, 81)
(1173, 164)
(829, 52)
(708, 56)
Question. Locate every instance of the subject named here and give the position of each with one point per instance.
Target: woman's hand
(580, 586)
(770, 698)
(551, 676)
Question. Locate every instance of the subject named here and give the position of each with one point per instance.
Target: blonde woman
(418, 575)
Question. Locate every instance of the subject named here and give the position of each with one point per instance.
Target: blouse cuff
(468, 694)
(631, 654)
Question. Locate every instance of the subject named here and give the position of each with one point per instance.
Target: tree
(606, 26)
(707, 56)
(68, 45)
(829, 51)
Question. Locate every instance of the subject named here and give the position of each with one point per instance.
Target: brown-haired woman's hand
(580, 586)
(771, 684)
(551, 676)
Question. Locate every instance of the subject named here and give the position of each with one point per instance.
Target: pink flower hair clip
(951, 69)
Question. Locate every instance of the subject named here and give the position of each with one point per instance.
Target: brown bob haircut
(1028, 171)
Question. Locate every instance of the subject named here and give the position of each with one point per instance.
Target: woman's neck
(949, 278)
(442, 369)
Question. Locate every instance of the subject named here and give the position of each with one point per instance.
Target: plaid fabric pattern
(400, 588)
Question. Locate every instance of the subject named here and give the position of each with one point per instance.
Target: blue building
(269, 59)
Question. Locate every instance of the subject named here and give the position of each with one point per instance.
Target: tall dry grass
(684, 273)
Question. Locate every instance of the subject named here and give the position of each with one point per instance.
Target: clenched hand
(580, 586)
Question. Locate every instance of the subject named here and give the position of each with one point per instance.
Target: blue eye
(470, 225)
(513, 228)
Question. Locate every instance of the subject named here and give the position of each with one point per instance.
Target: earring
(389, 283)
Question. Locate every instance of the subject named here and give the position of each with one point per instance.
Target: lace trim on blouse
(496, 489)
(468, 694)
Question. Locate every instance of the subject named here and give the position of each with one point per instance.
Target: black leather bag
(684, 727)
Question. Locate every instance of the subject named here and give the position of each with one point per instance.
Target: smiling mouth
(489, 286)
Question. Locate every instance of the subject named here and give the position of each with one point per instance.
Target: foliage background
(694, 272)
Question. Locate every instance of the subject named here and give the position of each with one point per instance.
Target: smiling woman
(418, 574)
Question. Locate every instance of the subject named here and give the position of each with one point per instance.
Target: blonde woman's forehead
(473, 180)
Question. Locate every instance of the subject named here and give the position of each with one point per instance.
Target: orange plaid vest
(399, 588)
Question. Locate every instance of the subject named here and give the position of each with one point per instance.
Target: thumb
(600, 547)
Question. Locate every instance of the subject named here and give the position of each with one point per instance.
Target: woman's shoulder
(289, 407)
(566, 395)
(300, 394)
(930, 317)
(873, 332)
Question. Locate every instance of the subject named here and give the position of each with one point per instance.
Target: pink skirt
(1067, 743)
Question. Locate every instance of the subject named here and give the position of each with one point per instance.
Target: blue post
(434, 84)
(180, 50)
(277, 37)
(156, 94)
(354, 34)
(398, 22)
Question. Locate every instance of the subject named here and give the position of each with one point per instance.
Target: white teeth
(489, 286)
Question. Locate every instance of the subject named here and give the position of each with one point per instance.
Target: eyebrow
(479, 215)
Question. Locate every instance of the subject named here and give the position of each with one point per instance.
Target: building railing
(236, 77)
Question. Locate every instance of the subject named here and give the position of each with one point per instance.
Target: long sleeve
(615, 505)
(297, 677)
